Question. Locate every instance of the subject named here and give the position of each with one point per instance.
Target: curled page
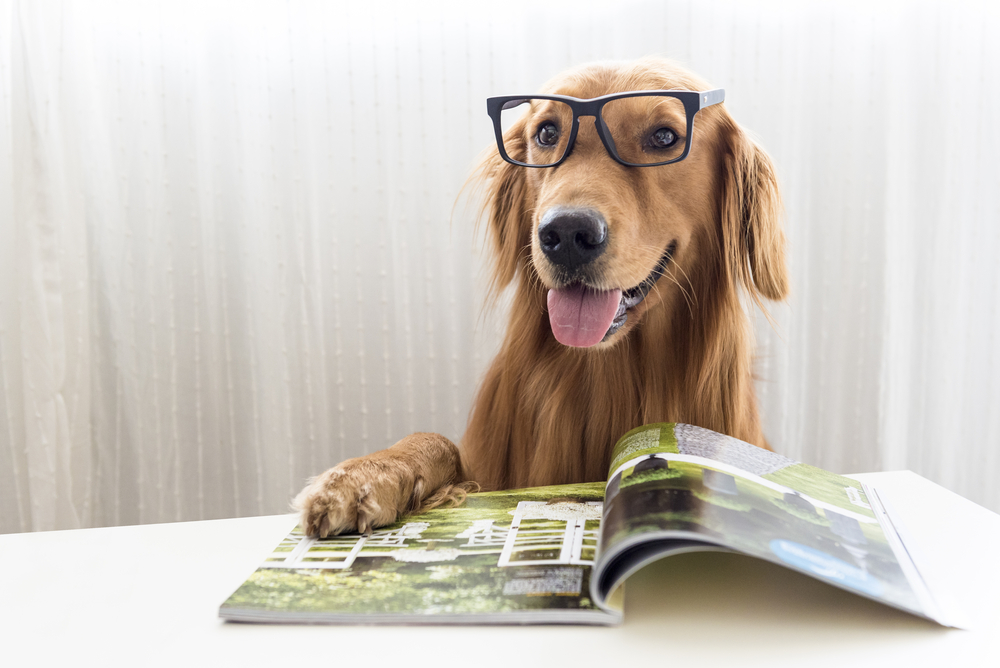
(678, 488)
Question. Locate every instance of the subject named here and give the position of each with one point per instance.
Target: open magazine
(559, 554)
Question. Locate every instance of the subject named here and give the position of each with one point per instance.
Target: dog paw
(355, 496)
(421, 471)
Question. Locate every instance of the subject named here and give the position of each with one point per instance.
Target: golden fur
(548, 414)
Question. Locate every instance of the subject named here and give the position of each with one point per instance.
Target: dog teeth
(632, 299)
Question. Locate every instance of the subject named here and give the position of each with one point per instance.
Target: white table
(149, 595)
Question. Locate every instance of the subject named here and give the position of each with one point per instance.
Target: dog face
(611, 243)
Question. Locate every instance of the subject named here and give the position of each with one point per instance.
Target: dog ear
(751, 219)
(504, 197)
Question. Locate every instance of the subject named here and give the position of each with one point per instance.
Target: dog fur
(547, 413)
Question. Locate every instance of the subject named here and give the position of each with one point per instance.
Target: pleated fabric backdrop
(235, 249)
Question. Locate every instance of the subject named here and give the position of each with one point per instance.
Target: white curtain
(234, 249)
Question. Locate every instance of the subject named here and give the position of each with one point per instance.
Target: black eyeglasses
(638, 129)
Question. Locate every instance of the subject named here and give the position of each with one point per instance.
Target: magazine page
(522, 556)
(678, 487)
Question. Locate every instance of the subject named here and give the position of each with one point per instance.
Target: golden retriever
(662, 255)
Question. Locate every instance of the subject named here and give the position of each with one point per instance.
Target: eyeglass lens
(646, 130)
(541, 130)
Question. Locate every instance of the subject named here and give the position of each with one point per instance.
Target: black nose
(572, 237)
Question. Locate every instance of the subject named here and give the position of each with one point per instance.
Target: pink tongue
(581, 316)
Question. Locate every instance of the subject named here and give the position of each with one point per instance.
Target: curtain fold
(235, 247)
(45, 301)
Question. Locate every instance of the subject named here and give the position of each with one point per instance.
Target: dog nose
(572, 237)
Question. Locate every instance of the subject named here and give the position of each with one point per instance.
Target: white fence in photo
(570, 541)
(337, 552)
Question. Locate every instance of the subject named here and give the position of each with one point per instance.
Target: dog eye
(548, 134)
(663, 138)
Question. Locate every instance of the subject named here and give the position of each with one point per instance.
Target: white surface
(149, 595)
(228, 258)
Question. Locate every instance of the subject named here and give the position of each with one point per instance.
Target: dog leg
(419, 472)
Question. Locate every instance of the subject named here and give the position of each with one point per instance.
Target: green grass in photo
(646, 440)
(649, 476)
(821, 485)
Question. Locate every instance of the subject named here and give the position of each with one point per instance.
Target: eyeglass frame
(693, 101)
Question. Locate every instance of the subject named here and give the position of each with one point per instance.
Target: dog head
(609, 242)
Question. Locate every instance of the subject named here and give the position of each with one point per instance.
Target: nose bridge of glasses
(584, 128)
(601, 128)
(588, 108)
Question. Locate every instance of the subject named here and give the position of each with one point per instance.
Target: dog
(627, 295)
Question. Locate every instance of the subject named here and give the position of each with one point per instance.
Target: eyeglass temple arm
(710, 97)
